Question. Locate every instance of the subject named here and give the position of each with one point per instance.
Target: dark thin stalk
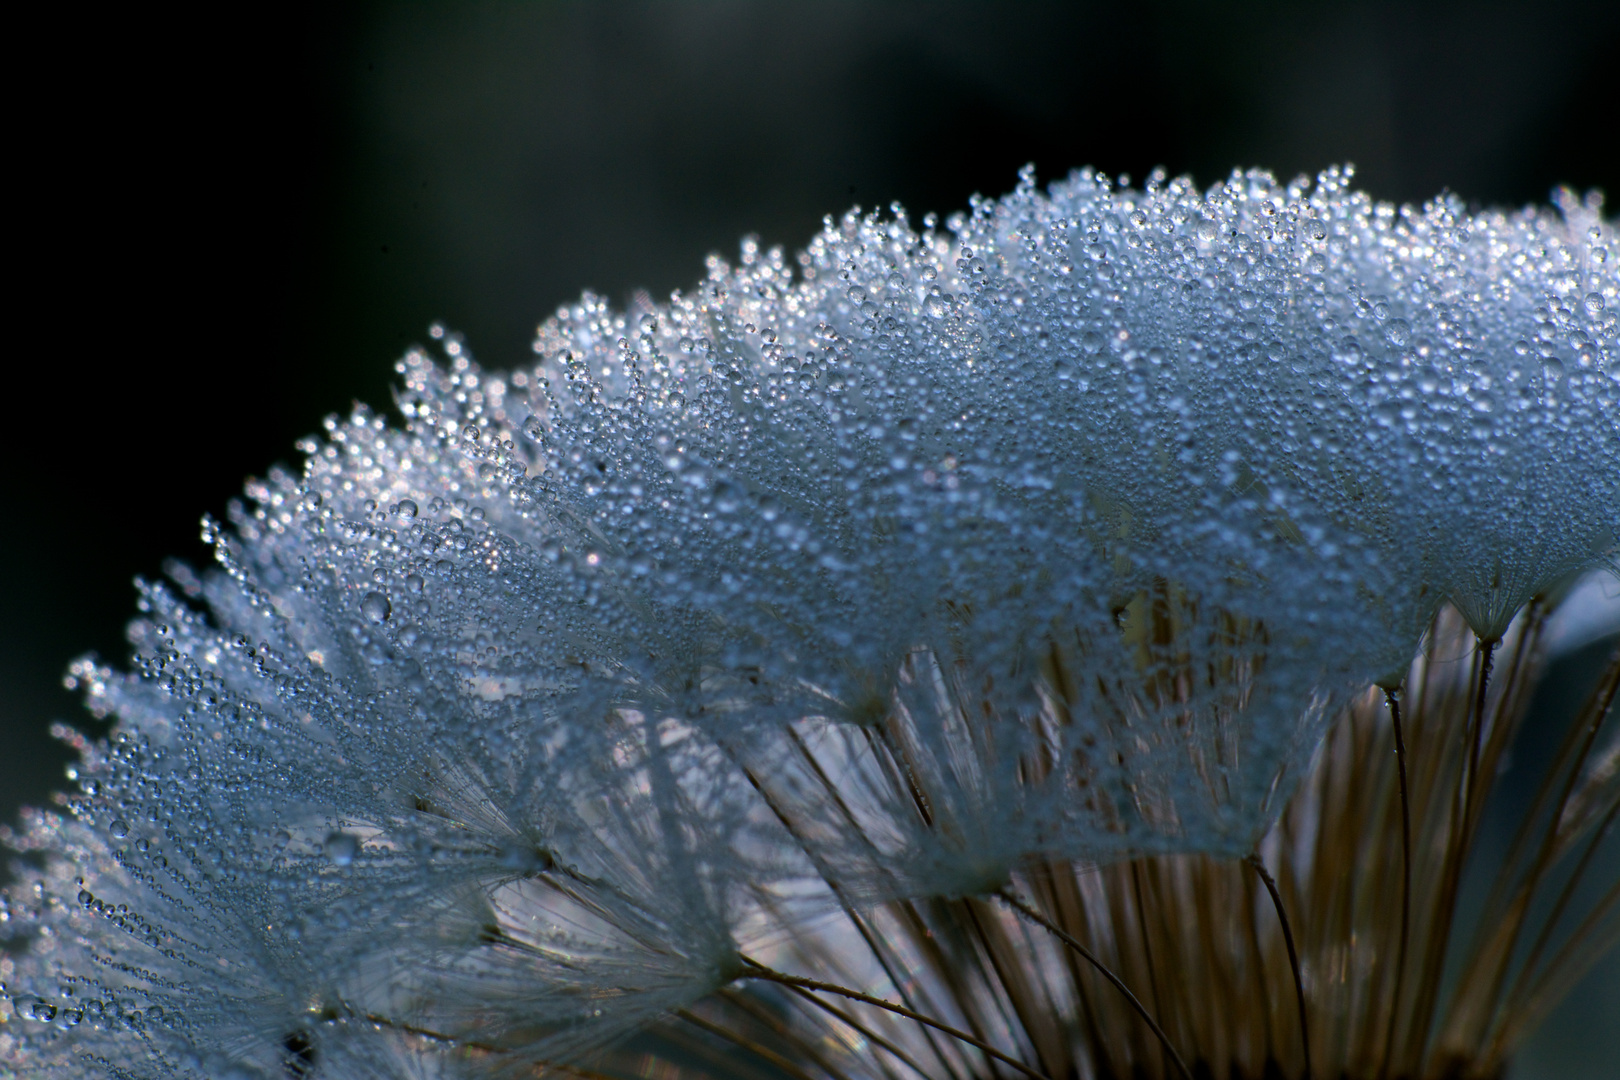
(759, 971)
(1552, 920)
(1487, 650)
(1094, 1033)
(1568, 892)
(1018, 904)
(1406, 882)
(834, 884)
(1597, 708)
(708, 1056)
(1293, 955)
(1251, 926)
(873, 943)
(1577, 742)
(1565, 966)
(939, 948)
(997, 961)
(1147, 946)
(903, 765)
(865, 1031)
(782, 1029)
(746, 1043)
(1457, 849)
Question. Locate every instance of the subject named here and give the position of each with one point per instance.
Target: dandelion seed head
(872, 572)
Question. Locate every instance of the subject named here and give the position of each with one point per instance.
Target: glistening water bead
(877, 574)
(375, 607)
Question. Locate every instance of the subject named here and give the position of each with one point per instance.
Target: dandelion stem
(862, 1029)
(782, 1029)
(746, 1043)
(1573, 958)
(1028, 911)
(831, 879)
(1597, 709)
(1568, 891)
(1394, 700)
(1471, 795)
(1589, 723)
(759, 971)
(1147, 941)
(1460, 840)
(1293, 955)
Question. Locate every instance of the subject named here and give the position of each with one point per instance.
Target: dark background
(224, 228)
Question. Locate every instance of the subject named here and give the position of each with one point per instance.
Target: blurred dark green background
(228, 225)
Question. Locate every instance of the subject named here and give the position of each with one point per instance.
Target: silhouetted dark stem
(1487, 651)
(866, 1032)
(1564, 967)
(1590, 721)
(760, 971)
(831, 879)
(1147, 939)
(1406, 881)
(1293, 956)
(782, 1028)
(746, 1043)
(1459, 843)
(1024, 908)
(1570, 886)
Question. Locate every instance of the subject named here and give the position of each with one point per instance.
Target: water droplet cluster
(1061, 530)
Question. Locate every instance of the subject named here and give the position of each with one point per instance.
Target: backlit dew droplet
(1397, 331)
(376, 607)
(119, 828)
(340, 848)
(407, 509)
(1593, 303)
